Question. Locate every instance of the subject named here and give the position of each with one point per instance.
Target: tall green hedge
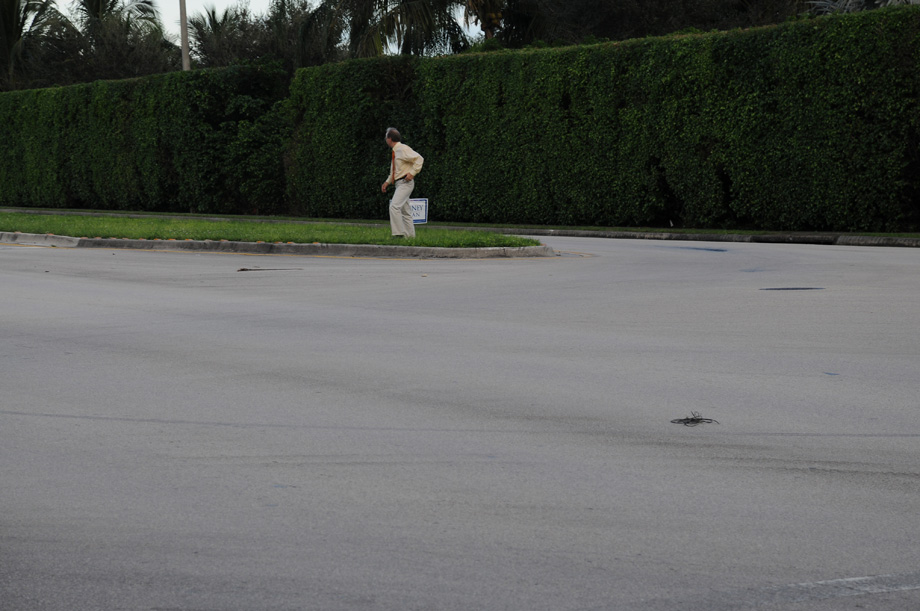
(338, 158)
(175, 142)
(812, 125)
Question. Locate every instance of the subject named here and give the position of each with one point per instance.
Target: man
(405, 164)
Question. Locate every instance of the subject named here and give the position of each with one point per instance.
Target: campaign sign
(419, 211)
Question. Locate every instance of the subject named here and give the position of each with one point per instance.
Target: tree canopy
(108, 39)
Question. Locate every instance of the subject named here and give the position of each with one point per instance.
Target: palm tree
(422, 27)
(319, 37)
(487, 14)
(21, 23)
(293, 33)
(122, 39)
(300, 34)
(216, 38)
(100, 10)
(416, 27)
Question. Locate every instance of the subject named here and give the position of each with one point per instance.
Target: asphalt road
(345, 434)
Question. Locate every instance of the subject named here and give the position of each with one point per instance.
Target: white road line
(833, 588)
(772, 596)
(870, 585)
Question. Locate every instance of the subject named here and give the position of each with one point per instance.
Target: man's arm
(386, 183)
(415, 159)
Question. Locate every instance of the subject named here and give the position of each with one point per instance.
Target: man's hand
(409, 177)
(384, 187)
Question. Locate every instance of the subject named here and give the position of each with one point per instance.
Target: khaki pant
(400, 211)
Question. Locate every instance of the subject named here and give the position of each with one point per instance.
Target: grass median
(236, 230)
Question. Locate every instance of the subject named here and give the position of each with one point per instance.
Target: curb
(264, 248)
(38, 239)
(422, 252)
(825, 239)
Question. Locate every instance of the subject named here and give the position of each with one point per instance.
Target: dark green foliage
(560, 22)
(812, 125)
(256, 164)
(175, 142)
(338, 158)
(822, 125)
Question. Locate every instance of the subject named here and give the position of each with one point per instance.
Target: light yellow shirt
(404, 161)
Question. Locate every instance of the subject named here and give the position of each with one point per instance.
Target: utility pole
(183, 34)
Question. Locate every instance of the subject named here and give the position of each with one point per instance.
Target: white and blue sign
(419, 211)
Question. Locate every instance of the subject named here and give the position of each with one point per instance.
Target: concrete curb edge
(266, 248)
(370, 250)
(827, 239)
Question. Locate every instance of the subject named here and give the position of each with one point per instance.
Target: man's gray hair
(393, 134)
